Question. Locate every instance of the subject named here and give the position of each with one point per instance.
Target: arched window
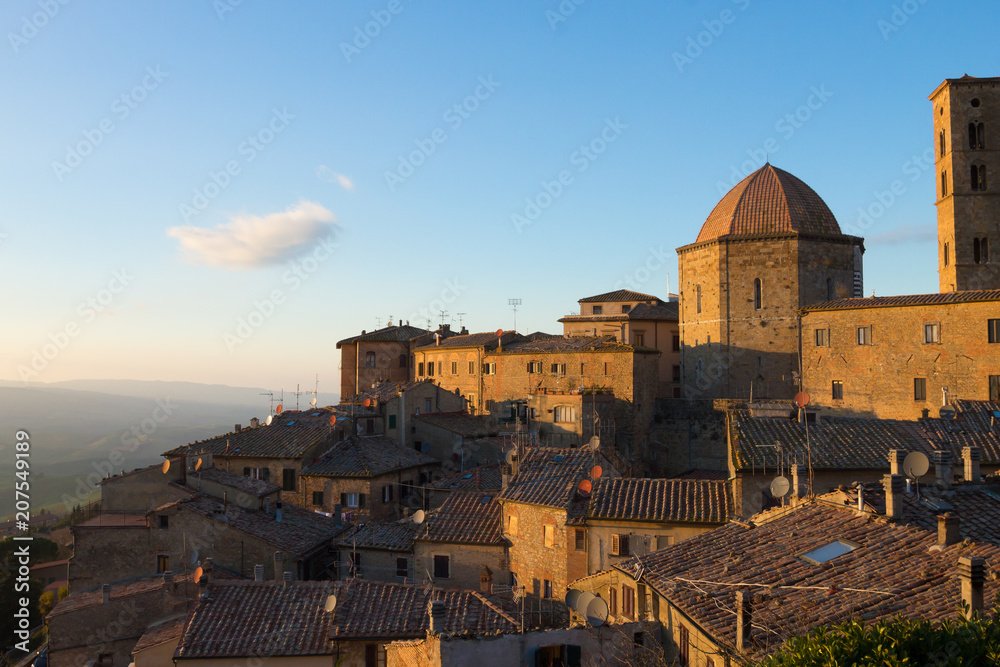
(941, 141)
(977, 138)
(978, 174)
(976, 257)
(370, 359)
(697, 297)
(757, 296)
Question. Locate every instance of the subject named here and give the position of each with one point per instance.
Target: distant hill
(78, 428)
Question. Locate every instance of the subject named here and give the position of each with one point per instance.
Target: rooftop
(385, 391)
(290, 434)
(366, 456)
(466, 517)
(161, 632)
(620, 295)
(95, 596)
(392, 334)
(549, 476)
(487, 340)
(389, 535)
(481, 478)
(254, 487)
(462, 423)
(573, 344)
(937, 299)
(662, 500)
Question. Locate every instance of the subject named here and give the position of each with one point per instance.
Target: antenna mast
(271, 395)
(514, 303)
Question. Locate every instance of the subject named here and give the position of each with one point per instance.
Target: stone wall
(689, 434)
(466, 563)
(375, 508)
(392, 364)
(533, 562)
(141, 489)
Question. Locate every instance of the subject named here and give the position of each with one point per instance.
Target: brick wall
(531, 560)
(387, 368)
(466, 563)
(375, 508)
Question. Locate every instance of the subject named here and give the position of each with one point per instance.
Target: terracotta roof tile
(549, 476)
(945, 298)
(161, 632)
(662, 500)
(384, 391)
(393, 334)
(389, 535)
(487, 340)
(462, 423)
(481, 478)
(574, 344)
(254, 487)
(620, 295)
(95, 596)
(466, 517)
(290, 434)
(366, 456)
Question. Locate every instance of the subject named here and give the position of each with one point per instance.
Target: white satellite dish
(418, 517)
(582, 602)
(597, 612)
(267, 422)
(331, 603)
(780, 486)
(509, 457)
(313, 401)
(194, 557)
(916, 464)
(572, 595)
(594, 444)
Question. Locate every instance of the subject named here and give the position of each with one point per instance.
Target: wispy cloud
(906, 234)
(324, 173)
(250, 242)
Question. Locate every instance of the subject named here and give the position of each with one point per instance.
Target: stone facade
(376, 503)
(465, 563)
(275, 470)
(141, 489)
(966, 116)
(533, 562)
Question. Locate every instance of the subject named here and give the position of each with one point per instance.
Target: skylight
(829, 551)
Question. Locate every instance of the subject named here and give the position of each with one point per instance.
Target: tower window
(978, 180)
(944, 184)
(757, 296)
(697, 298)
(941, 142)
(920, 389)
(975, 102)
(947, 259)
(977, 136)
(976, 253)
(984, 249)
(829, 289)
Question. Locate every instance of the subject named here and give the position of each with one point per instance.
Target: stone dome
(769, 201)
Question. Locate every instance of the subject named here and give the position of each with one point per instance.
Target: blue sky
(218, 192)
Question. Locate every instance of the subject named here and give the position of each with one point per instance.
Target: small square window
(164, 521)
(318, 498)
(993, 331)
(162, 563)
(442, 567)
(864, 335)
(920, 389)
(932, 332)
(598, 310)
(822, 337)
(402, 567)
(677, 343)
(626, 308)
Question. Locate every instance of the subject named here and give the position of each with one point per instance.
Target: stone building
(378, 551)
(480, 478)
(398, 402)
(967, 163)
(368, 478)
(642, 320)
(457, 439)
(900, 357)
(383, 355)
(769, 247)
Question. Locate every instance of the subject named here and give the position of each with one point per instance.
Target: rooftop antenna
(298, 393)
(428, 324)
(314, 392)
(389, 323)
(802, 400)
(378, 322)
(443, 314)
(460, 316)
(269, 394)
(514, 303)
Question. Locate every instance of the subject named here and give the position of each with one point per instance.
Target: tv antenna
(460, 316)
(298, 393)
(378, 322)
(314, 392)
(269, 394)
(443, 314)
(514, 303)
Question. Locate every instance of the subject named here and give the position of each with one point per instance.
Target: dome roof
(769, 201)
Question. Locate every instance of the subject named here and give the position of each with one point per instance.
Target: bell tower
(967, 170)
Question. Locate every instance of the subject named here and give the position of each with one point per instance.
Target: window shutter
(616, 544)
(361, 500)
(529, 366)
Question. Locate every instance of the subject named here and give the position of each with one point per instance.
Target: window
(864, 335)
(683, 646)
(581, 539)
(288, 479)
(829, 289)
(977, 137)
(370, 359)
(677, 343)
(932, 332)
(995, 387)
(619, 545)
(598, 310)
(352, 500)
(985, 249)
(947, 258)
(105, 660)
(941, 142)
(697, 298)
(387, 493)
(829, 552)
(454, 368)
(628, 601)
(472, 368)
(978, 182)
(164, 521)
(512, 525)
(534, 367)
(428, 405)
(402, 361)
(565, 414)
(993, 330)
(430, 368)
(640, 340)
(944, 184)
(559, 369)
(613, 601)
(605, 368)
(546, 588)
(162, 563)
(258, 473)
(549, 533)
(838, 390)
(420, 368)
(822, 338)
(355, 560)
(370, 426)
(392, 421)
(757, 295)
(402, 568)
(318, 498)
(442, 567)
(490, 369)
(920, 389)
(626, 308)
(676, 373)
(371, 655)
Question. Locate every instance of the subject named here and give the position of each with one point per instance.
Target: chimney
(486, 581)
(942, 467)
(279, 565)
(277, 511)
(258, 572)
(896, 457)
(504, 476)
(338, 509)
(106, 593)
(972, 456)
(744, 618)
(893, 485)
(254, 422)
(237, 428)
(948, 529)
(436, 611)
(972, 573)
(925, 413)
(286, 578)
(798, 480)
(861, 498)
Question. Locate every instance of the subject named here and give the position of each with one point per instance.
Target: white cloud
(324, 173)
(906, 234)
(250, 242)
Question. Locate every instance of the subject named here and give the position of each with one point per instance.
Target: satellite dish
(197, 465)
(166, 466)
(333, 420)
(194, 557)
(597, 612)
(801, 399)
(368, 403)
(780, 486)
(584, 488)
(197, 574)
(499, 332)
(947, 412)
(509, 457)
(418, 517)
(361, 429)
(313, 401)
(594, 443)
(278, 410)
(596, 472)
(331, 603)
(267, 422)
(916, 464)
(583, 601)
(572, 595)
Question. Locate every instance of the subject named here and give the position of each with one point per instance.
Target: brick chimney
(106, 593)
(942, 467)
(949, 529)
(258, 572)
(437, 612)
(893, 485)
(744, 618)
(896, 457)
(799, 481)
(279, 565)
(971, 456)
(972, 572)
(287, 578)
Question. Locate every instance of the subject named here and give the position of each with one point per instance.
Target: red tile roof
(466, 517)
(290, 434)
(549, 476)
(388, 535)
(620, 295)
(393, 334)
(161, 632)
(366, 456)
(937, 299)
(481, 478)
(385, 391)
(574, 344)
(487, 340)
(95, 596)
(254, 487)
(662, 500)
(769, 201)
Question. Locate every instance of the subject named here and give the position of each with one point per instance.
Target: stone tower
(770, 246)
(967, 166)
